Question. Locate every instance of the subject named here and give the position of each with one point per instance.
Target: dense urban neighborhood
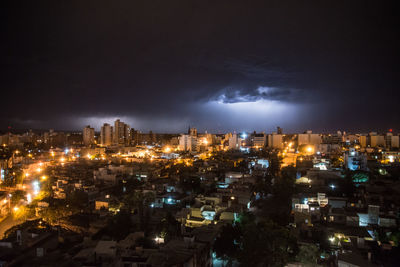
(120, 197)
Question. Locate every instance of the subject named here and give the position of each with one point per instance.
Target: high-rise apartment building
(377, 140)
(88, 136)
(121, 133)
(192, 131)
(308, 138)
(392, 141)
(106, 134)
(363, 140)
(187, 142)
(259, 140)
(275, 141)
(235, 141)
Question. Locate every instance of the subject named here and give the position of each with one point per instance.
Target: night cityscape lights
(200, 133)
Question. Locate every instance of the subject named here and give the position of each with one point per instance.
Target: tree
(268, 243)
(252, 243)
(77, 199)
(169, 227)
(55, 212)
(346, 185)
(308, 255)
(278, 207)
(275, 164)
(17, 196)
(226, 245)
(263, 185)
(139, 201)
(190, 183)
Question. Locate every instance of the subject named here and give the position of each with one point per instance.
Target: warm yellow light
(232, 197)
(16, 208)
(88, 156)
(5, 201)
(167, 149)
(310, 149)
(38, 169)
(27, 174)
(40, 163)
(44, 177)
(62, 159)
(30, 155)
(52, 154)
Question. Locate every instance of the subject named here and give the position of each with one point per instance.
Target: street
(7, 223)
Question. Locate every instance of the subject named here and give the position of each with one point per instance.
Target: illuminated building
(355, 160)
(309, 138)
(235, 141)
(377, 140)
(192, 131)
(363, 141)
(187, 142)
(275, 141)
(88, 136)
(336, 138)
(121, 133)
(259, 140)
(391, 141)
(106, 134)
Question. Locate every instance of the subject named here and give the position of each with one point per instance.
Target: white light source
(36, 187)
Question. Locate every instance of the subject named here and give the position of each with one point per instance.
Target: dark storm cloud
(164, 61)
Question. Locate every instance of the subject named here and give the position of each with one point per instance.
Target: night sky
(163, 65)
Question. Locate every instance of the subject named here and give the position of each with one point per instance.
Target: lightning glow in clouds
(261, 109)
(253, 115)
